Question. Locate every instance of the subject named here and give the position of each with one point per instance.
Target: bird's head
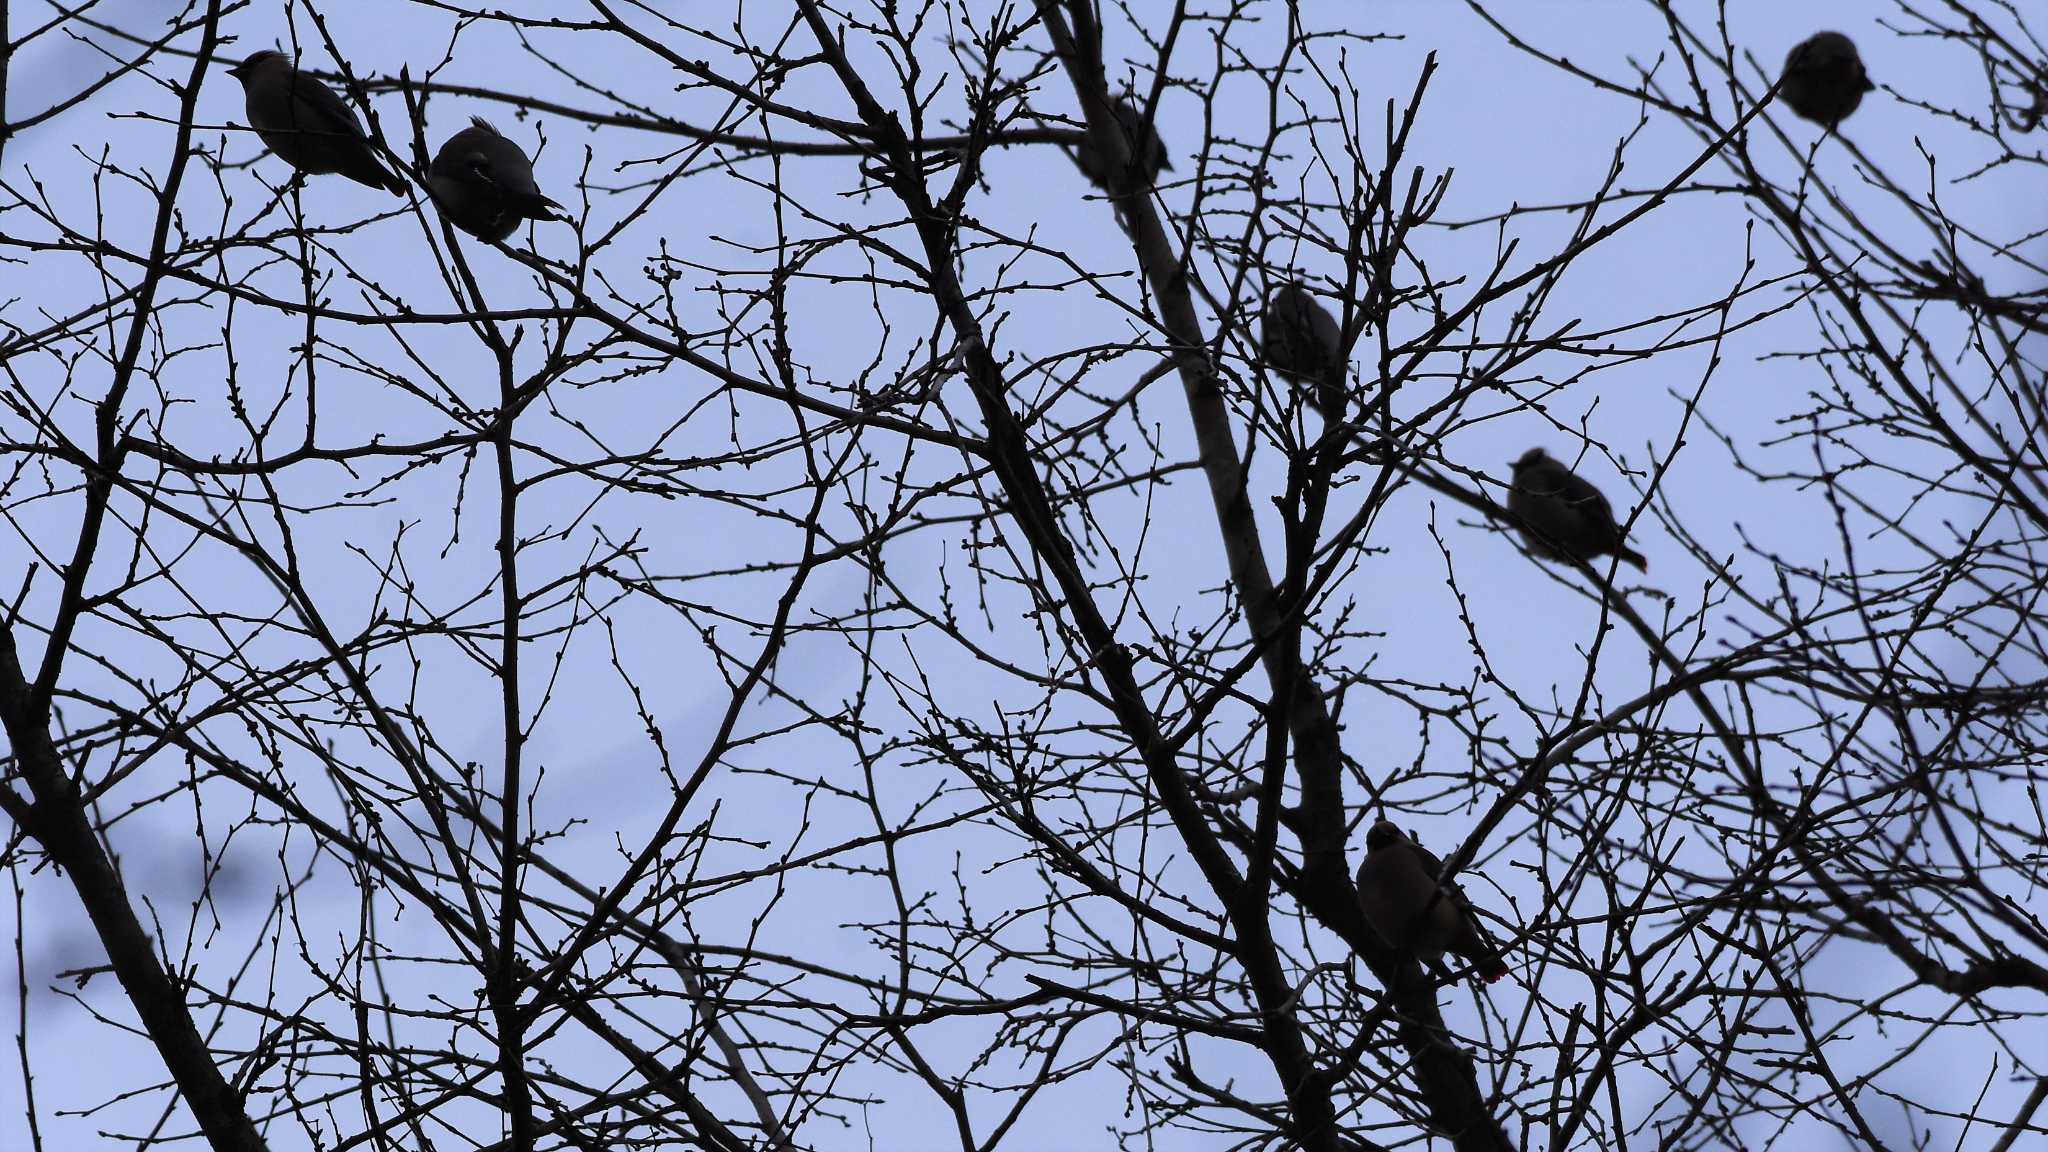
(1822, 50)
(1384, 834)
(257, 62)
(1531, 459)
(1292, 294)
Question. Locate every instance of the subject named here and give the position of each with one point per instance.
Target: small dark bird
(1824, 79)
(1561, 516)
(484, 183)
(1399, 894)
(1303, 342)
(1148, 153)
(306, 125)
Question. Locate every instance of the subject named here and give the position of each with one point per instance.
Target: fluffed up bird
(1148, 153)
(306, 124)
(1562, 517)
(1303, 342)
(1824, 79)
(484, 183)
(1401, 899)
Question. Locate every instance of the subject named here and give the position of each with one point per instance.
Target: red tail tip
(1496, 974)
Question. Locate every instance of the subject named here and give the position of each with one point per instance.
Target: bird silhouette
(1303, 342)
(1824, 79)
(1400, 894)
(483, 182)
(306, 125)
(1148, 152)
(1561, 516)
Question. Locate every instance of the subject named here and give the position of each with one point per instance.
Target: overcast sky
(1513, 129)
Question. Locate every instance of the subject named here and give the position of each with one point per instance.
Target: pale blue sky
(1514, 130)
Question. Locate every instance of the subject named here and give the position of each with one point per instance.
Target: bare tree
(847, 640)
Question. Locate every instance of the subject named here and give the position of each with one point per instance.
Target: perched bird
(1824, 79)
(306, 124)
(1563, 517)
(1303, 342)
(1399, 894)
(484, 183)
(1148, 153)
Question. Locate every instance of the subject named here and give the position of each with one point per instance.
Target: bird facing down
(1562, 517)
(1824, 79)
(1303, 342)
(1148, 153)
(1398, 892)
(306, 125)
(484, 183)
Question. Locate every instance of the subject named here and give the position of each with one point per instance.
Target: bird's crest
(257, 59)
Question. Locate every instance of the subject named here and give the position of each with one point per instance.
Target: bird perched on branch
(484, 183)
(1148, 152)
(1399, 893)
(306, 125)
(1562, 517)
(1824, 79)
(1303, 342)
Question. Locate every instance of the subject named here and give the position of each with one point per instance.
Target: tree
(845, 641)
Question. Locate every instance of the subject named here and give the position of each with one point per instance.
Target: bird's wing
(1142, 138)
(1600, 508)
(1479, 945)
(1132, 116)
(1427, 859)
(1329, 336)
(1588, 499)
(318, 109)
(1547, 478)
(1831, 63)
(509, 166)
(1435, 868)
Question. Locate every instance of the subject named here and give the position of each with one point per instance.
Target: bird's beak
(238, 71)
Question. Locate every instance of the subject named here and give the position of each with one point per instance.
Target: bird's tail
(366, 170)
(1477, 945)
(1631, 556)
(535, 206)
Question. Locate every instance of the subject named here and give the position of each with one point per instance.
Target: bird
(1303, 342)
(484, 183)
(1824, 79)
(1401, 899)
(1562, 517)
(1148, 153)
(306, 125)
